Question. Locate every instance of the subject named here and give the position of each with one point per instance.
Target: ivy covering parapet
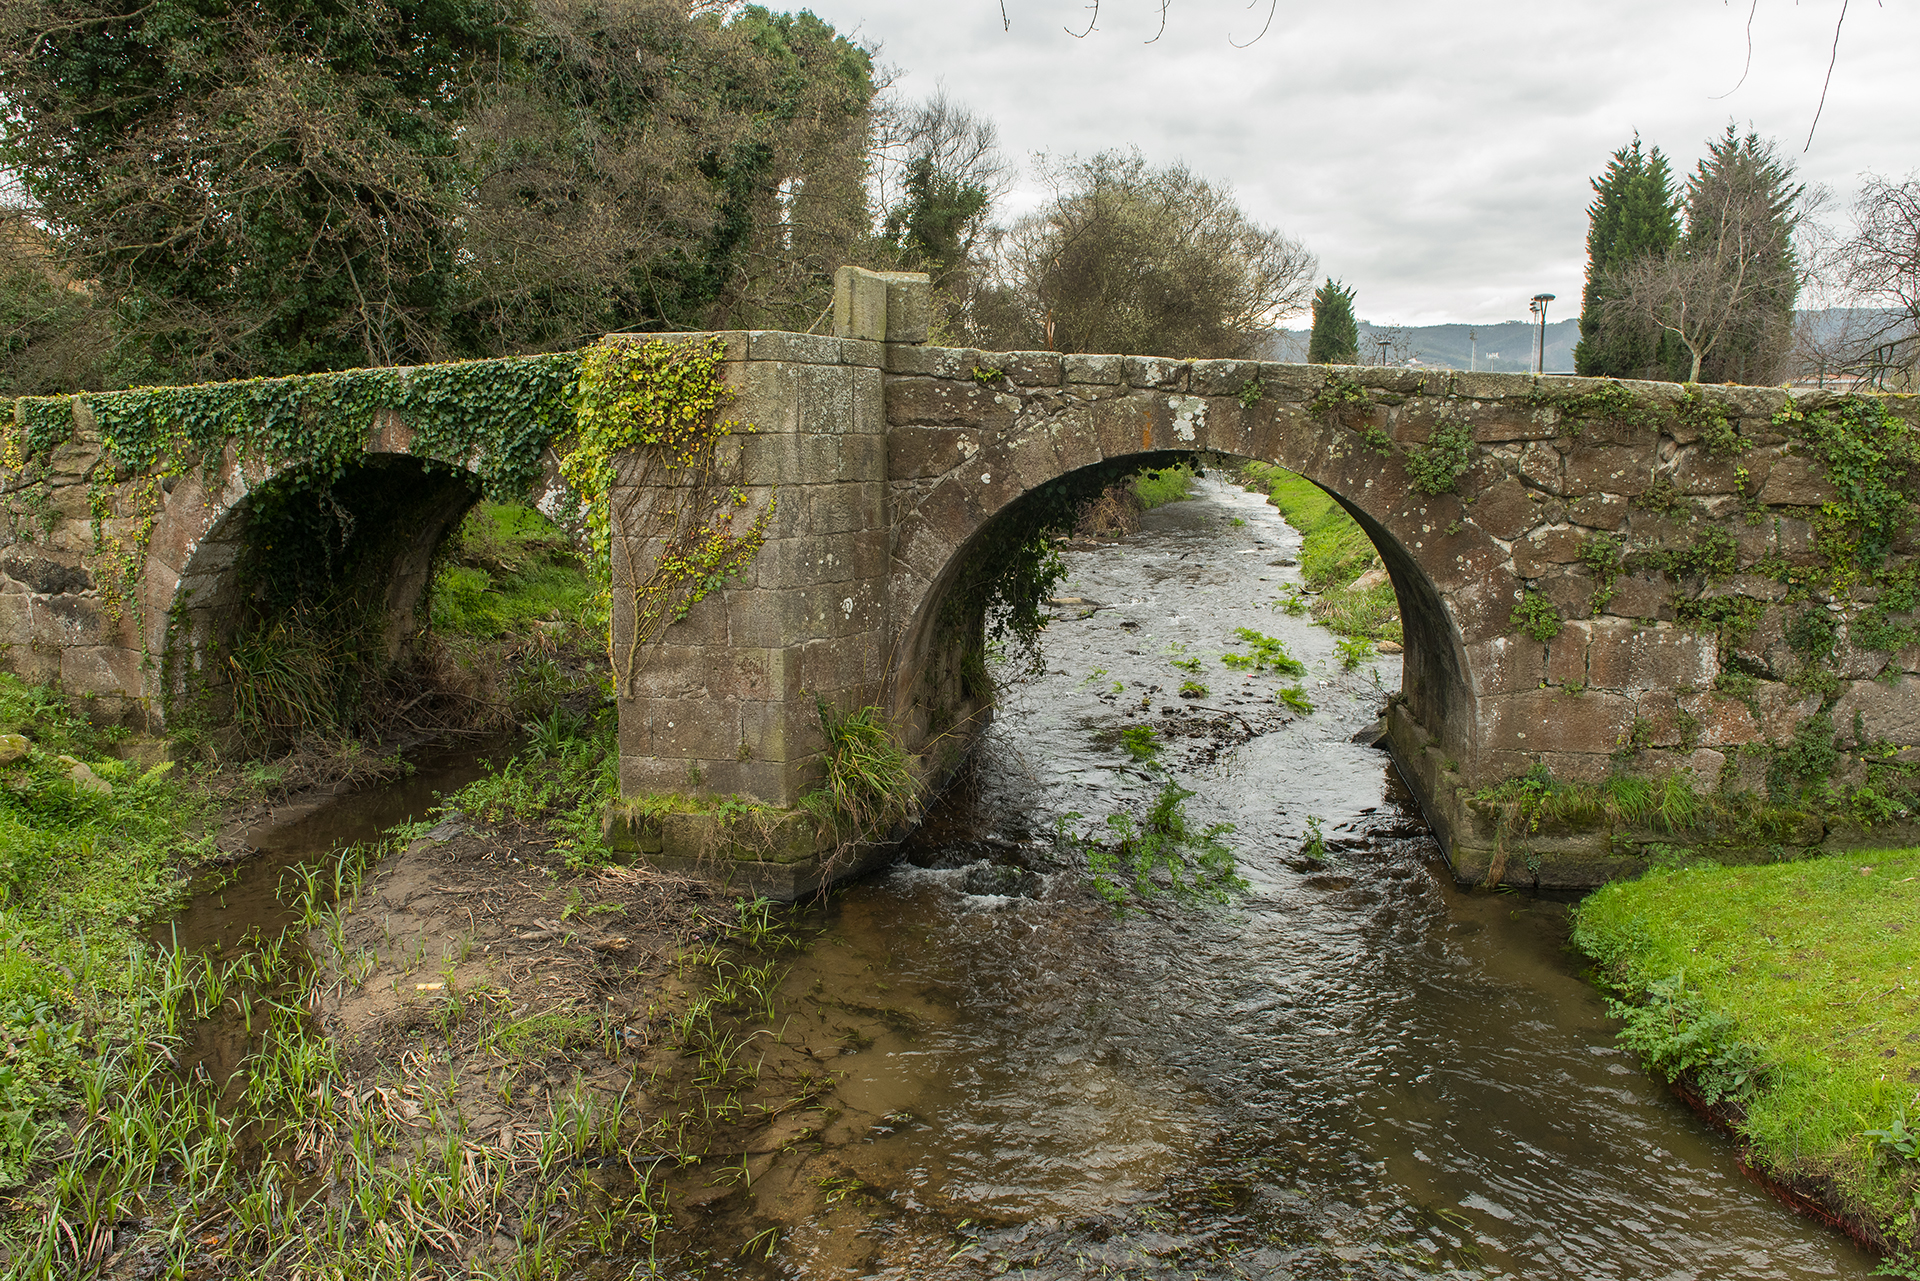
(494, 416)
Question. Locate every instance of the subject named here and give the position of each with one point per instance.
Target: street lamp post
(1539, 308)
(1384, 343)
(1473, 350)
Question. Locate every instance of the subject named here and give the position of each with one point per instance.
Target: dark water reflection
(1357, 1070)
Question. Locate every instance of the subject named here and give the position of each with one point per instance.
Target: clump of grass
(1294, 699)
(1192, 689)
(868, 783)
(1781, 986)
(1537, 799)
(565, 775)
(1158, 853)
(1269, 654)
(1168, 485)
(297, 676)
(1372, 614)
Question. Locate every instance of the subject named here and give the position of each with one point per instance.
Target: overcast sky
(1435, 156)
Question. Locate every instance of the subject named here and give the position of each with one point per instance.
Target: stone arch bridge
(1615, 508)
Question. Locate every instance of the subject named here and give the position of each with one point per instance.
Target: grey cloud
(1437, 157)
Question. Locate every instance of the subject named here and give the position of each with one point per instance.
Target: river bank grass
(86, 856)
(387, 1089)
(1334, 552)
(1785, 998)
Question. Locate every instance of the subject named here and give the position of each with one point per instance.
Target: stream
(1353, 1069)
(1356, 1070)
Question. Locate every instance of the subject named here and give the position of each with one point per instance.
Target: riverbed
(1353, 1069)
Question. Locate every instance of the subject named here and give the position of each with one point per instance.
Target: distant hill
(1507, 348)
(1502, 349)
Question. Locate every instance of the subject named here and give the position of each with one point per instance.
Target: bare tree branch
(1825, 84)
(1272, 6)
(1748, 66)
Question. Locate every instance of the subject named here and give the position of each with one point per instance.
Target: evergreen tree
(1635, 213)
(1336, 335)
(1742, 209)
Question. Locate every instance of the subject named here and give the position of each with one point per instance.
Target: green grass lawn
(1334, 551)
(1803, 972)
(507, 568)
(1168, 485)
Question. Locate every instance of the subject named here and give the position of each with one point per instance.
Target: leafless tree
(1127, 258)
(1878, 267)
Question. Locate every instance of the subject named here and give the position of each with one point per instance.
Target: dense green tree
(939, 171)
(53, 336)
(1743, 208)
(1335, 339)
(270, 186)
(290, 185)
(1635, 212)
(645, 170)
(1726, 290)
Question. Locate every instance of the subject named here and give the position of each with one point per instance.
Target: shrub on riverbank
(1787, 993)
(1118, 508)
(1334, 552)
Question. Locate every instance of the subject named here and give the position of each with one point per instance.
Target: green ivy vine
(663, 401)
(1873, 459)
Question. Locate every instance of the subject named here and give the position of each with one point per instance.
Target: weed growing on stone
(1294, 699)
(868, 784)
(1192, 689)
(1536, 616)
(1142, 743)
(1437, 466)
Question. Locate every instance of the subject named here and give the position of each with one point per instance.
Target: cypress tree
(1742, 208)
(1336, 335)
(1635, 213)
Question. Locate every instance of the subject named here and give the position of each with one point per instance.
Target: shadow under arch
(341, 563)
(937, 685)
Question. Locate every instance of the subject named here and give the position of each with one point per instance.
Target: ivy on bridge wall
(494, 420)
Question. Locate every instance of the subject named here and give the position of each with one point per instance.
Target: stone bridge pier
(891, 459)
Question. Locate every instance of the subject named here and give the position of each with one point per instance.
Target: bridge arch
(969, 454)
(240, 546)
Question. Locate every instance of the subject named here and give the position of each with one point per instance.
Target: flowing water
(1352, 1070)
